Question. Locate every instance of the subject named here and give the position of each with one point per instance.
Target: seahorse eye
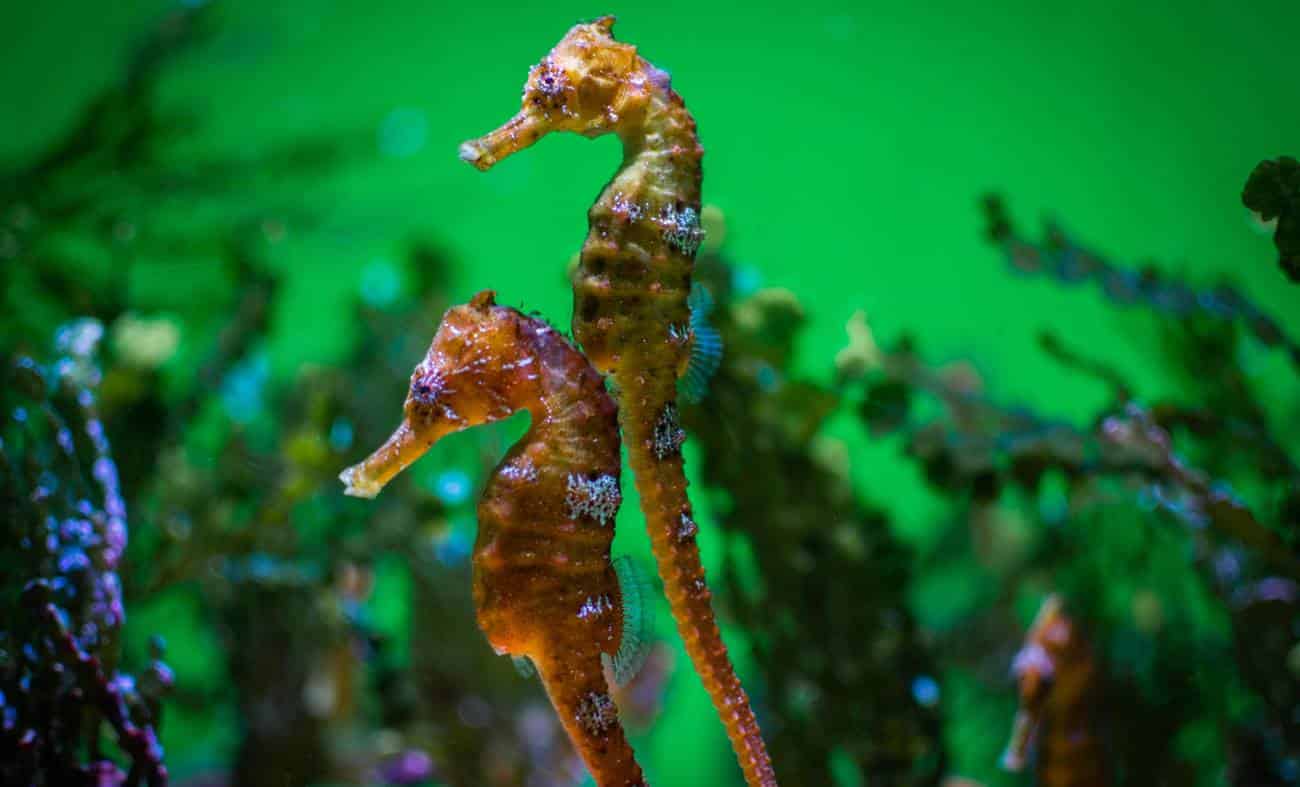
(549, 88)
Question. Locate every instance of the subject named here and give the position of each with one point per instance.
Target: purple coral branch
(140, 742)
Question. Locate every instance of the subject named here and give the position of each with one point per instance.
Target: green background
(846, 144)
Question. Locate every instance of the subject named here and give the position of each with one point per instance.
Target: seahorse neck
(661, 159)
(570, 408)
(635, 273)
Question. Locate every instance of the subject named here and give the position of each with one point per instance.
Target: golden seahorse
(631, 311)
(1057, 678)
(545, 588)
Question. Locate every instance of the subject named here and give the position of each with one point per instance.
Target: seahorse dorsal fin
(706, 347)
(634, 643)
(524, 666)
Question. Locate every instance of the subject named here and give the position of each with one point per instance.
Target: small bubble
(745, 280)
(925, 690)
(341, 434)
(243, 388)
(403, 133)
(380, 284)
(452, 487)
(452, 548)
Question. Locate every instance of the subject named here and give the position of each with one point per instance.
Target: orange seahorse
(632, 310)
(545, 588)
(1058, 684)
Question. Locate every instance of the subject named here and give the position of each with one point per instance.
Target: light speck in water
(452, 486)
(381, 283)
(341, 434)
(925, 690)
(403, 132)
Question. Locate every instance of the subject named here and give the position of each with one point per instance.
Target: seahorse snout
(368, 477)
(520, 132)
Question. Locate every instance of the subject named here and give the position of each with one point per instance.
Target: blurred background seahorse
(545, 588)
(1058, 680)
(635, 314)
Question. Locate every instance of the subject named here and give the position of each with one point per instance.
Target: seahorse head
(1036, 663)
(588, 84)
(474, 372)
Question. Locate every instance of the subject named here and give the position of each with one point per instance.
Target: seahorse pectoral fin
(524, 666)
(706, 347)
(368, 477)
(520, 132)
(634, 639)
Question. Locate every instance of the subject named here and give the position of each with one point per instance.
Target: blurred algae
(314, 639)
(1273, 192)
(813, 562)
(1044, 506)
(225, 465)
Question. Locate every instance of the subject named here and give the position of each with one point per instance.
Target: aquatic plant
(1200, 327)
(226, 462)
(631, 313)
(1273, 192)
(545, 588)
(1060, 256)
(1083, 492)
(809, 558)
(1165, 522)
(1053, 507)
(119, 188)
(65, 537)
